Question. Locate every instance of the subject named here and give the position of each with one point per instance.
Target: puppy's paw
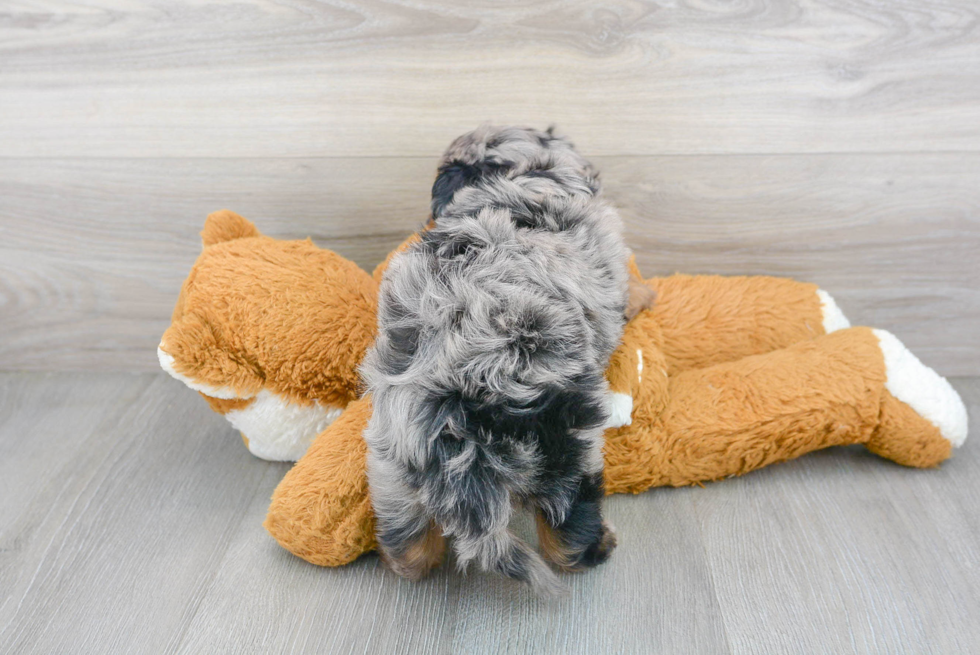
(598, 552)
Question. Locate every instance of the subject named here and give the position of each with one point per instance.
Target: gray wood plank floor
(130, 522)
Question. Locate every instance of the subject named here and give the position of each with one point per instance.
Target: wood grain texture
(354, 609)
(892, 238)
(848, 553)
(287, 78)
(836, 141)
(93, 252)
(121, 507)
(130, 521)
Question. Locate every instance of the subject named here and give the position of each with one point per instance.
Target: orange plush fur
(271, 333)
(724, 375)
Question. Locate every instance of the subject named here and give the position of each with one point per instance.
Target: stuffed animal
(723, 376)
(271, 334)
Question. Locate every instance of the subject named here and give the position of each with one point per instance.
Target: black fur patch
(402, 337)
(454, 176)
(547, 424)
(582, 530)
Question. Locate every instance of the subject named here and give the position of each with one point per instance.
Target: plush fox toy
(271, 333)
(724, 375)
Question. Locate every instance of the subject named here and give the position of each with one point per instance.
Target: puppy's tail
(501, 552)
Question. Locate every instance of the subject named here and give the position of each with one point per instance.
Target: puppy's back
(494, 334)
(519, 287)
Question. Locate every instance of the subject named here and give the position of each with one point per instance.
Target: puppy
(487, 375)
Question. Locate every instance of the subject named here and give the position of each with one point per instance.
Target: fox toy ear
(226, 225)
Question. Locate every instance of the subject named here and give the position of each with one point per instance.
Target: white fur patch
(222, 393)
(922, 389)
(279, 430)
(833, 317)
(620, 407)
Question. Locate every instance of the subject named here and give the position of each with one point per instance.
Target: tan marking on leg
(557, 552)
(607, 543)
(421, 556)
(551, 545)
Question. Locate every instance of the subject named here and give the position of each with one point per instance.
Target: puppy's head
(540, 161)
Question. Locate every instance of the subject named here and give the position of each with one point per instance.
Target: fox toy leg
(853, 386)
(321, 510)
(922, 417)
(837, 389)
(711, 319)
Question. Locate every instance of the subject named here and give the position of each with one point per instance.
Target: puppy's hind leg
(477, 517)
(415, 555)
(410, 542)
(582, 539)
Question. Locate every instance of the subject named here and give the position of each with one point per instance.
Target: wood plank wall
(836, 141)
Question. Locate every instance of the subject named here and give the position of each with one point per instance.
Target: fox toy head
(245, 334)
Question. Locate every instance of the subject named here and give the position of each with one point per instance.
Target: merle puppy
(487, 376)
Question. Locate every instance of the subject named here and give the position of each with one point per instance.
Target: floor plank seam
(711, 574)
(61, 533)
(178, 640)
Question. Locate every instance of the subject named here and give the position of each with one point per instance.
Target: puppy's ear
(451, 178)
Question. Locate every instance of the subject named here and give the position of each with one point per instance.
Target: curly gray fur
(487, 375)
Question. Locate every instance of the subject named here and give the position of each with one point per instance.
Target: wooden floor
(131, 522)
